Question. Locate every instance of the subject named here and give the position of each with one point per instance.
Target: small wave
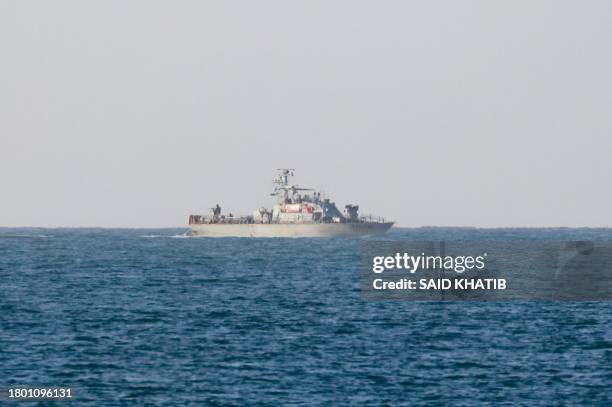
(19, 236)
(185, 235)
(180, 236)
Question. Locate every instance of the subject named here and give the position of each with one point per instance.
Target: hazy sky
(138, 113)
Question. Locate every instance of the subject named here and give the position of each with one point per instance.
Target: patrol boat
(299, 212)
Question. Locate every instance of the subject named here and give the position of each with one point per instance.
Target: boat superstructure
(298, 212)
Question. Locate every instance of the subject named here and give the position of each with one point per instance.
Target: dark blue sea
(152, 317)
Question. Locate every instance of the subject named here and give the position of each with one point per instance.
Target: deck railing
(369, 218)
(202, 220)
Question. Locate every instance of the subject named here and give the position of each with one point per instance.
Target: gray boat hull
(290, 230)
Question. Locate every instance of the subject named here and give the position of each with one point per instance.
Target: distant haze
(138, 113)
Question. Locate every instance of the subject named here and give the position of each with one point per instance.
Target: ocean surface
(152, 317)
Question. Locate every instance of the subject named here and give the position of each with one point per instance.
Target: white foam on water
(26, 236)
(181, 236)
(185, 235)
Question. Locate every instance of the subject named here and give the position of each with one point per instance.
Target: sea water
(152, 317)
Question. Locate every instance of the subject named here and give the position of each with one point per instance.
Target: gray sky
(138, 113)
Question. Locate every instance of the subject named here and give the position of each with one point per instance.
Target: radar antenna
(282, 186)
